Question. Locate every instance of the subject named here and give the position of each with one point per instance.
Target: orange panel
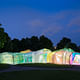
(58, 57)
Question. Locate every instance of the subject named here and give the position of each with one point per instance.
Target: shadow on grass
(40, 75)
(4, 66)
(48, 65)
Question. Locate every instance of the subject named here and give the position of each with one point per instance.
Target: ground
(55, 72)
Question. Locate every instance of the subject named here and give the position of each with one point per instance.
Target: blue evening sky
(53, 18)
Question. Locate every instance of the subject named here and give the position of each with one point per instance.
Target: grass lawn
(4, 66)
(40, 75)
(45, 65)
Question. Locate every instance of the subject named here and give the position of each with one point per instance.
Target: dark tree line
(34, 43)
(66, 43)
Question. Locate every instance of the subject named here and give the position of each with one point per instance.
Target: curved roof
(26, 51)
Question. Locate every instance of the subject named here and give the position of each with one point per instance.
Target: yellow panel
(49, 57)
(26, 51)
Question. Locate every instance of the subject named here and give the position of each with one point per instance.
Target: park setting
(39, 39)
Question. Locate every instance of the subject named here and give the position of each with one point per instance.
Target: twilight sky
(53, 18)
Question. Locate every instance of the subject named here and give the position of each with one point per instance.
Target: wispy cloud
(75, 21)
(51, 24)
(35, 23)
(51, 30)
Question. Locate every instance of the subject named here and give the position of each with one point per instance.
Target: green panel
(7, 59)
(43, 58)
(21, 59)
(0, 58)
(28, 58)
(16, 59)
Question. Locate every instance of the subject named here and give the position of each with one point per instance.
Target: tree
(66, 43)
(25, 43)
(0, 24)
(15, 45)
(4, 38)
(46, 43)
(35, 43)
(63, 43)
(73, 46)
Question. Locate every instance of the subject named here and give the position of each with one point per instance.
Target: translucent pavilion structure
(40, 56)
(62, 56)
(75, 58)
(6, 58)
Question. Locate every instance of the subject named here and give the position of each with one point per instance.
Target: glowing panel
(76, 58)
(41, 55)
(58, 57)
(16, 59)
(28, 57)
(26, 51)
(68, 55)
(49, 57)
(43, 58)
(6, 58)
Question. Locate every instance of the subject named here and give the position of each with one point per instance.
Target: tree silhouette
(46, 43)
(4, 38)
(35, 44)
(66, 43)
(63, 43)
(0, 24)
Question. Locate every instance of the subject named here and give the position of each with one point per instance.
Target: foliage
(66, 43)
(46, 43)
(4, 38)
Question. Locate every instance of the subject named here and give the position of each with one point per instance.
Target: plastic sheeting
(28, 57)
(20, 58)
(26, 51)
(6, 58)
(49, 57)
(61, 56)
(57, 58)
(75, 58)
(40, 56)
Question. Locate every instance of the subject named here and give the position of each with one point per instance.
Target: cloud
(51, 24)
(51, 30)
(75, 21)
(35, 23)
(76, 31)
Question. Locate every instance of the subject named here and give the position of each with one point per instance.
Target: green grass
(4, 66)
(40, 75)
(45, 65)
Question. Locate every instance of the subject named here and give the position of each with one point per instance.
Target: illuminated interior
(41, 55)
(6, 58)
(75, 58)
(62, 56)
